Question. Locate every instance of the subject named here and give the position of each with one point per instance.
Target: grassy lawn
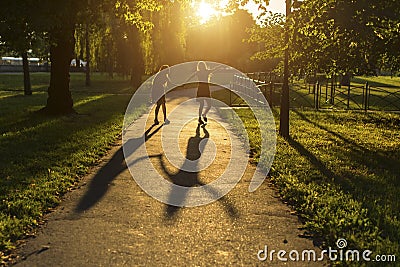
(341, 173)
(340, 170)
(378, 81)
(42, 157)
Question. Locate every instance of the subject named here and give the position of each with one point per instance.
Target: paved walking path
(110, 221)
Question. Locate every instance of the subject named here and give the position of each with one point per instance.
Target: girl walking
(160, 82)
(203, 74)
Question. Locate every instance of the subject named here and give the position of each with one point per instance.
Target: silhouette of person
(185, 178)
(160, 82)
(193, 148)
(192, 179)
(203, 74)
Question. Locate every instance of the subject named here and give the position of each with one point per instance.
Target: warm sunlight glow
(223, 4)
(275, 6)
(205, 12)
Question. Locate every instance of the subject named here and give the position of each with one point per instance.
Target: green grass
(341, 173)
(43, 157)
(14, 82)
(377, 81)
(340, 170)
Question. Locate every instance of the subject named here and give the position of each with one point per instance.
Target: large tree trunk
(27, 78)
(59, 99)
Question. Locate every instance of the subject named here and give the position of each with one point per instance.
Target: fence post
(271, 91)
(366, 97)
(316, 96)
(320, 95)
(332, 99)
(313, 90)
(326, 92)
(348, 96)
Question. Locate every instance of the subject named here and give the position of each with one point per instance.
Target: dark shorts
(158, 95)
(203, 90)
(161, 100)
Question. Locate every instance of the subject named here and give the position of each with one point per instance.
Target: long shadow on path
(99, 185)
(191, 179)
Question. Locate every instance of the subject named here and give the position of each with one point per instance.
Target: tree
(284, 112)
(16, 35)
(277, 28)
(337, 36)
(67, 15)
(57, 21)
(168, 35)
(133, 46)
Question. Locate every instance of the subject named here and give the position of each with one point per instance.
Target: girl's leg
(201, 102)
(206, 110)
(201, 106)
(164, 109)
(208, 100)
(156, 114)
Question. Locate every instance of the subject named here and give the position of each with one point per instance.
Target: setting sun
(205, 12)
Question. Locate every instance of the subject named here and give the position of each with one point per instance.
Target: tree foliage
(117, 24)
(168, 34)
(336, 36)
(269, 37)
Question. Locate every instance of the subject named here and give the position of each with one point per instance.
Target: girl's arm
(191, 76)
(216, 68)
(170, 82)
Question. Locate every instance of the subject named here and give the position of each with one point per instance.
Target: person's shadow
(191, 179)
(101, 182)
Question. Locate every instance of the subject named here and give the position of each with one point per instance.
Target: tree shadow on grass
(376, 194)
(191, 179)
(100, 183)
(373, 83)
(375, 161)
